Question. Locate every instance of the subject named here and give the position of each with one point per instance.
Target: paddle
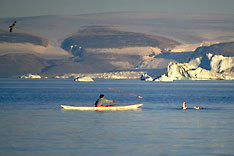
(123, 92)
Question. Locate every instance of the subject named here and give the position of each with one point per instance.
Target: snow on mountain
(142, 51)
(192, 47)
(216, 67)
(185, 28)
(154, 63)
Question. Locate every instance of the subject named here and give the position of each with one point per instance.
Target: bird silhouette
(13, 26)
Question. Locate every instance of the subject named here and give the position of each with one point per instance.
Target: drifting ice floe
(30, 76)
(84, 79)
(146, 77)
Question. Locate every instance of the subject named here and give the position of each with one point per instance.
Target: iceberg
(84, 79)
(30, 76)
(208, 67)
(146, 77)
(163, 78)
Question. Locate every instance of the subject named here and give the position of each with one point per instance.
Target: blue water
(32, 123)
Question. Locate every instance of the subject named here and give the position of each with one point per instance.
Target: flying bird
(13, 26)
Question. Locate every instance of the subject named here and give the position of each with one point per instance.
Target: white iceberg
(30, 76)
(209, 67)
(146, 77)
(163, 78)
(84, 79)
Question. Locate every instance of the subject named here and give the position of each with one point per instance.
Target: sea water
(33, 124)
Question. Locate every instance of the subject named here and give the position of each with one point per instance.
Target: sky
(25, 8)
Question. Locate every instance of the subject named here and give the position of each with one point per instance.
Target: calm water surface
(32, 123)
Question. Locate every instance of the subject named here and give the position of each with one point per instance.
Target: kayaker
(101, 100)
(184, 105)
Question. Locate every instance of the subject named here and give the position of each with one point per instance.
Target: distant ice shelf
(109, 75)
(91, 76)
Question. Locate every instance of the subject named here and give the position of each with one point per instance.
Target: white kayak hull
(86, 108)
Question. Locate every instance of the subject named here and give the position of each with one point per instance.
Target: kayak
(109, 108)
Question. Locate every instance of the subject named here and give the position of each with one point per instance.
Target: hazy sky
(19, 8)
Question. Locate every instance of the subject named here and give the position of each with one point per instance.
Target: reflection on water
(32, 122)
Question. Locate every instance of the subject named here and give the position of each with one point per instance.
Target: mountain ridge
(19, 37)
(111, 36)
(14, 65)
(128, 53)
(225, 49)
